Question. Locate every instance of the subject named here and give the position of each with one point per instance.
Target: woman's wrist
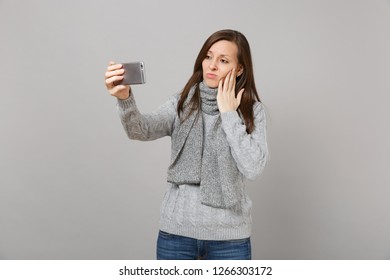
(125, 97)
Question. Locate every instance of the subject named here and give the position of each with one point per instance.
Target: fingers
(220, 86)
(226, 96)
(113, 75)
(226, 82)
(229, 82)
(113, 66)
(232, 79)
(113, 81)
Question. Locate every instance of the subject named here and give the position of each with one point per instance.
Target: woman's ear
(240, 71)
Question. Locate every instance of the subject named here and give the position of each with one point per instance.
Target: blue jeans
(176, 247)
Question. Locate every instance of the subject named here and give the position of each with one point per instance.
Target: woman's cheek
(227, 71)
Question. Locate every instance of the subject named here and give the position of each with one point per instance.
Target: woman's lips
(211, 76)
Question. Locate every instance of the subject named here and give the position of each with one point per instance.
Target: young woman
(217, 126)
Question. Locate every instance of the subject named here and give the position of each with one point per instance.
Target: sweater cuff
(126, 103)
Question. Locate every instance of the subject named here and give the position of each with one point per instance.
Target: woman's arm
(139, 126)
(148, 126)
(250, 151)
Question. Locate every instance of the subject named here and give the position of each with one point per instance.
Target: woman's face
(220, 59)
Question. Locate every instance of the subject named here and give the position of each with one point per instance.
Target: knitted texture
(212, 166)
(182, 211)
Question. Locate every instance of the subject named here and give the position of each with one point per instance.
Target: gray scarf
(211, 166)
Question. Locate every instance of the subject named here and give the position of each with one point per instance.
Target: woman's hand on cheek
(226, 96)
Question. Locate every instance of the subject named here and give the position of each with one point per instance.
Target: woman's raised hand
(113, 76)
(226, 97)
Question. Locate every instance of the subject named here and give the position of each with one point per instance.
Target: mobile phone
(134, 73)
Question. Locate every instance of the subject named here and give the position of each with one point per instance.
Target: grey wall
(73, 187)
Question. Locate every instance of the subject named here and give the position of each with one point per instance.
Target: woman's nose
(213, 65)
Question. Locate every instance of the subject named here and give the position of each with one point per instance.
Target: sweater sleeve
(250, 151)
(150, 126)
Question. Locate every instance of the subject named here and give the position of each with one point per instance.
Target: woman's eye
(224, 61)
(208, 57)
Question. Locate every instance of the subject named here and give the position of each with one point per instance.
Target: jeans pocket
(165, 235)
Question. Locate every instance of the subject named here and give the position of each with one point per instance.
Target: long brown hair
(245, 80)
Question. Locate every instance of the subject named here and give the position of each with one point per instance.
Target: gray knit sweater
(182, 212)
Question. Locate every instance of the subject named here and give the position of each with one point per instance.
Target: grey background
(73, 187)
